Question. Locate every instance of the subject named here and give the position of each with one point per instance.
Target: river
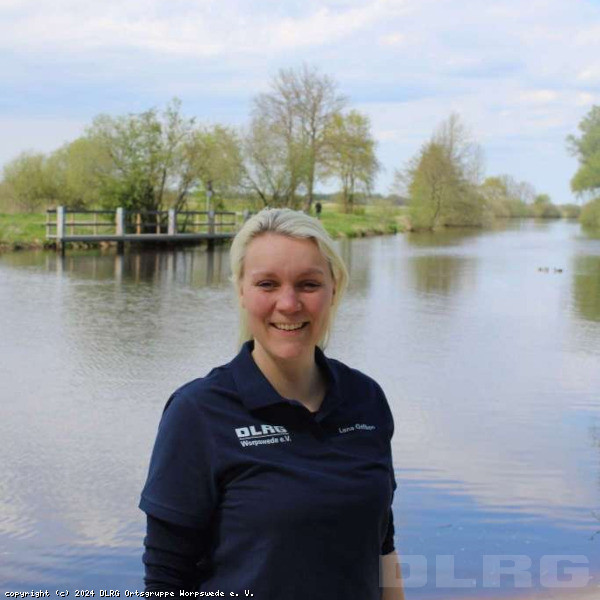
(491, 367)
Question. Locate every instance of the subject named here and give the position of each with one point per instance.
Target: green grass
(22, 231)
(370, 220)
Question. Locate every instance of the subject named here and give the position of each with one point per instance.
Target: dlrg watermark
(555, 571)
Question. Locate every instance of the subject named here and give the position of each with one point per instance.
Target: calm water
(492, 369)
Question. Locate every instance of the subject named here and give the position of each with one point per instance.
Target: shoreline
(46, 245)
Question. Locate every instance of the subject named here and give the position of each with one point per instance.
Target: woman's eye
(311, 285)
(265, 285)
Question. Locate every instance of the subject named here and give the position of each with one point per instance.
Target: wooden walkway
(120, 226)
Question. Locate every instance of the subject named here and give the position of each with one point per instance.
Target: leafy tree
(271, 169)
(543, 208)
(28, 183)
(156, 159)
(570, 211)
(435, 182)
(74, 171)
(351, 154)
(295, 115)
(587, 150)
(590, 214)
(462, 150)
(214, 156)
(495, 192)
(442, 180)
(506, 197)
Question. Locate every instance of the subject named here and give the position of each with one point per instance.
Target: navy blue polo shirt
(292, 504)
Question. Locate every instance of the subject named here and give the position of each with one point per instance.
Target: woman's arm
(171, 556)
(391, 577)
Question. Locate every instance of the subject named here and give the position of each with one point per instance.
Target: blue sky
(521, 74)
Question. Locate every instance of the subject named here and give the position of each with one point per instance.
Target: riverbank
(23, 232)
(27, 231)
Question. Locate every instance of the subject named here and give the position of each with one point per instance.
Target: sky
(520, 74)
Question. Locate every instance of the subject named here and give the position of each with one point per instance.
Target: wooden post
(47, 223)
(95, 223)
(172, 228)
(60, 229)
(211, 229)
(138, 223)
(120, 228)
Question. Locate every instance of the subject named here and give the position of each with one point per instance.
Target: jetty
(141, 226)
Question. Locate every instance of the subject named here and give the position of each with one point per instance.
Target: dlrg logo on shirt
(258, 435)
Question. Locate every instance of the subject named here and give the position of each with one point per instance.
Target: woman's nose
(288, 299)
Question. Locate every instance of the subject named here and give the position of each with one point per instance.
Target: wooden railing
(120, 225)
(63, 223)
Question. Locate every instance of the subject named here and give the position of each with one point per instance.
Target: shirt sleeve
(181, 487)
(388, 541)
(172, 557)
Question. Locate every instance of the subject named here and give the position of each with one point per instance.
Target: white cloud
(324, 26)
(539, 96)
(590, 74)
(585, 99)
(392, 39)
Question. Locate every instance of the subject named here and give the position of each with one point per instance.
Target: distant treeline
(301, 133)
(445, 185)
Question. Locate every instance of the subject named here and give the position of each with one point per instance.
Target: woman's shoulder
(352, 378)
(204, 391)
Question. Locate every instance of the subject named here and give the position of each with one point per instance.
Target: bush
(570, 211)
(545, 211)
(590, 214)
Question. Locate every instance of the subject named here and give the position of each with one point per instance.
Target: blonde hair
(293, 224)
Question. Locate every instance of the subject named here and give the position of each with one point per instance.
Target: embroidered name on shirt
(357, 427)
(258, 435)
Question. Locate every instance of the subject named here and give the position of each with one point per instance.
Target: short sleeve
(181, 487)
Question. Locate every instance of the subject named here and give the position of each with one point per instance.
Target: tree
(157, 159)
(28, 183)
(351, 154)
(269, 165)
(215, 155)
(543, 208)
(298, 110)
(462, 150)
(590, 214)
(442, 179)
(587, 150)
(435, 182)
(505, 196)
(74, 171)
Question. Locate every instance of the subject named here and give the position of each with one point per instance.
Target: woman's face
(287, 291)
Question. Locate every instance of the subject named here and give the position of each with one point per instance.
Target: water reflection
(445, 275)
(586, 286)
(195, 267)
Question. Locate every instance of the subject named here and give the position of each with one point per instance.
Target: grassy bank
(20, 231)
(368, 220)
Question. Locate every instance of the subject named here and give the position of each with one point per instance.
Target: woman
(272, 475)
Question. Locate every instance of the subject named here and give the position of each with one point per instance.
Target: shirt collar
(256, 391)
